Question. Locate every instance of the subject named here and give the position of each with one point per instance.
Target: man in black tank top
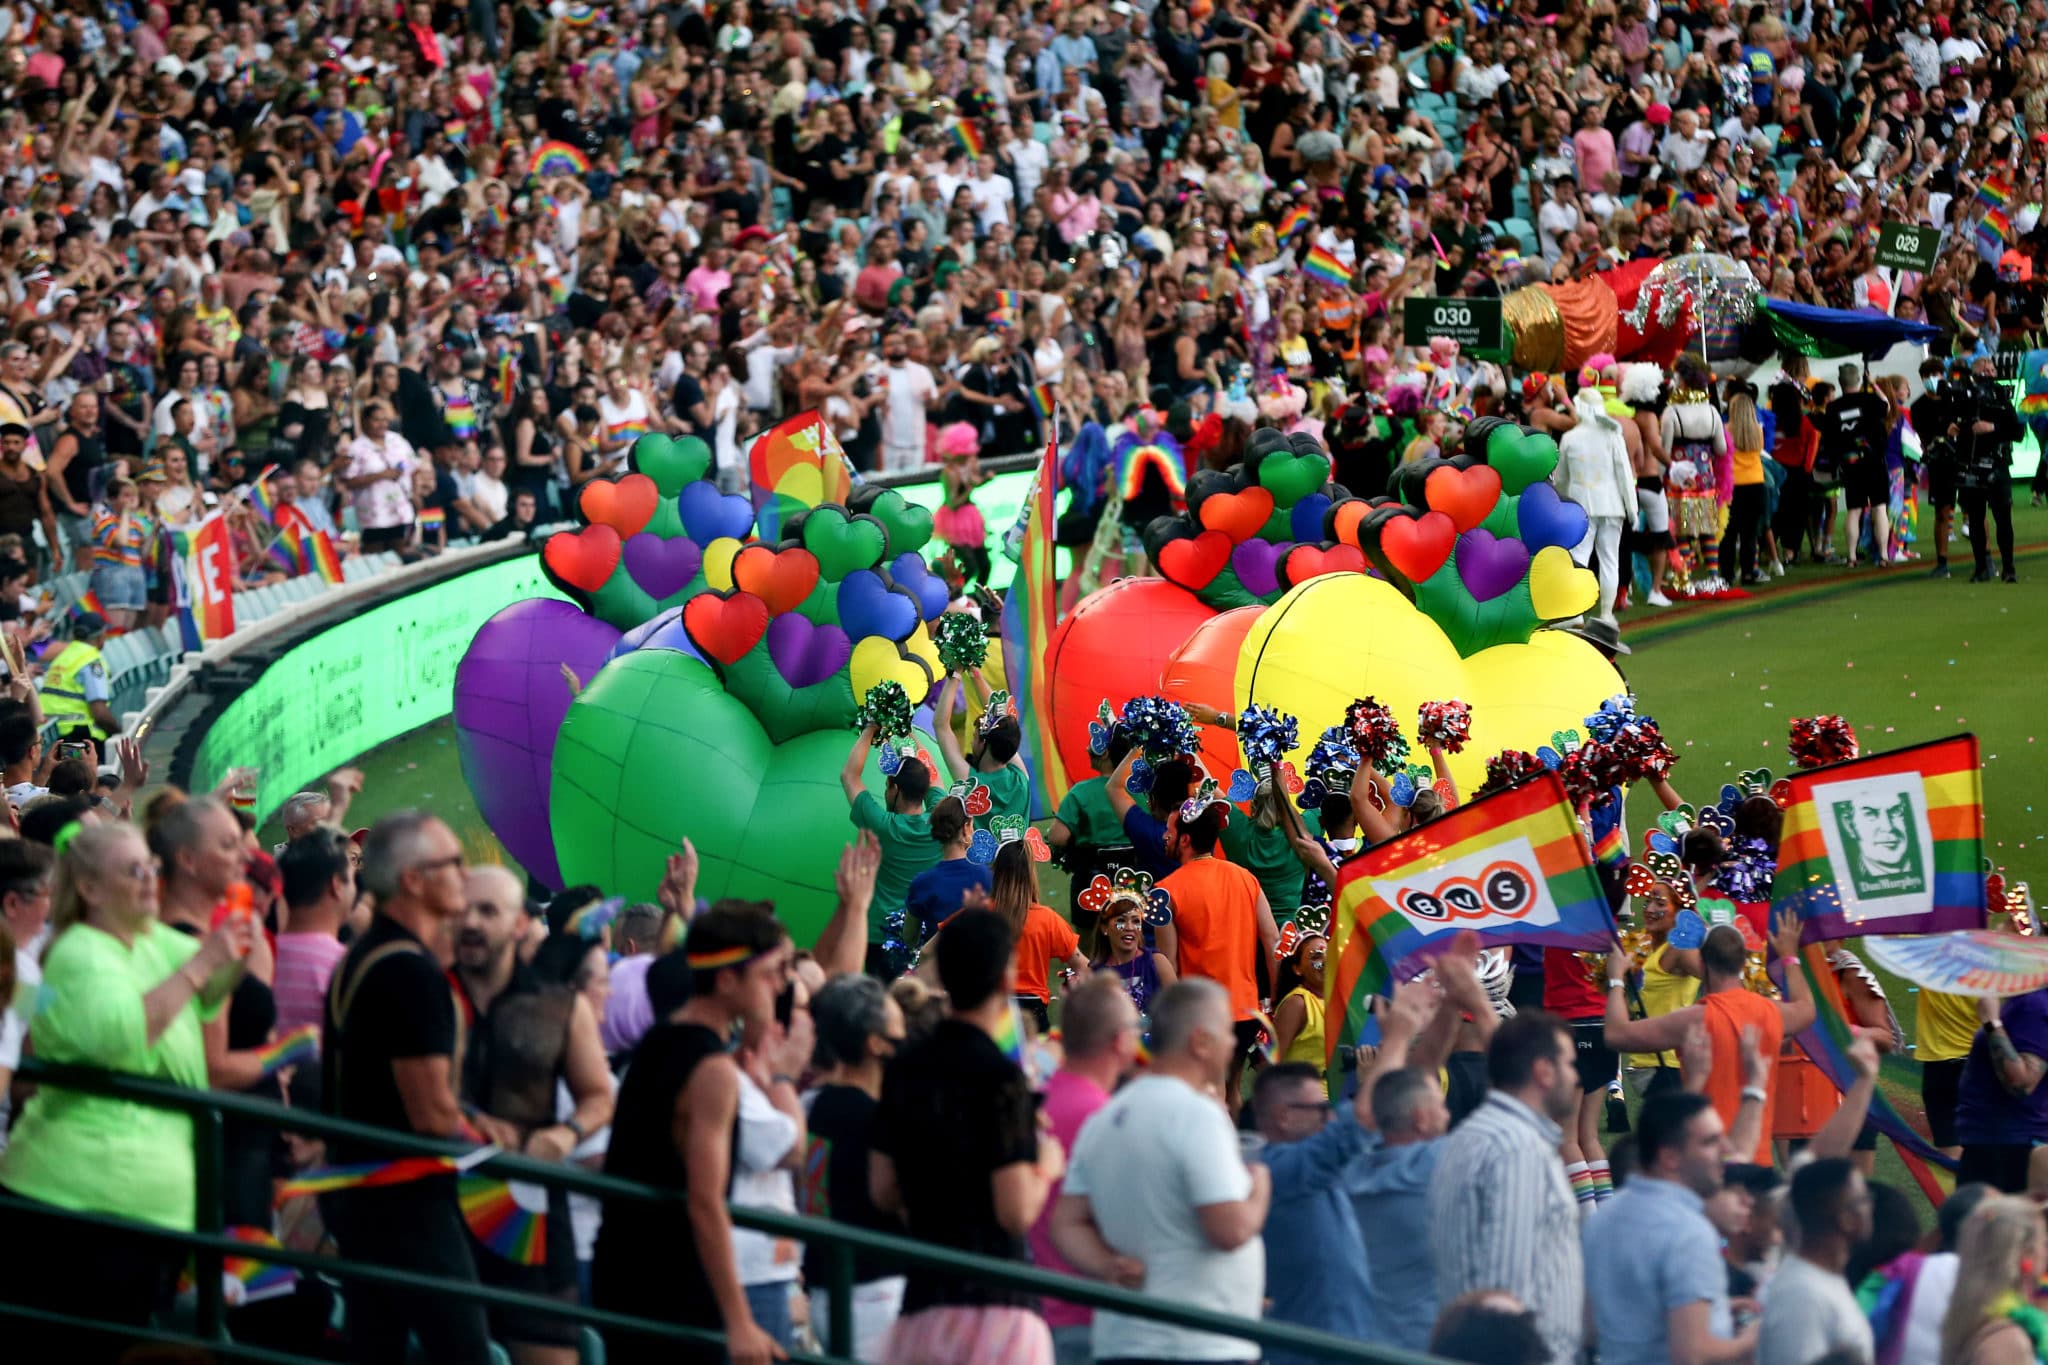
(24, 499)
(78, 456)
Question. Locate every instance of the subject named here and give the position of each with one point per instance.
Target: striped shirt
(119, 539)
(1502, 1216)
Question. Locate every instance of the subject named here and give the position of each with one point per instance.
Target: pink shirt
(1596, 157)
(705, 285)
(1070, 1101)
(304, 964)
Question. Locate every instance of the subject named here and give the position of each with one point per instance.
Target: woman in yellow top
(1944, 1026)
(1671, 980)
(1746, 505)
(1298, 1022)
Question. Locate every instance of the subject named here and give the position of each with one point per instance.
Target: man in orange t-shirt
(1223, 924)
(1727, 1008)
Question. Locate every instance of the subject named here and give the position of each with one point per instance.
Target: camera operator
(1932, 412)
(1984, 427)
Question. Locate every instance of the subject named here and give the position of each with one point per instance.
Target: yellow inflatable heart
(877, 659)
(1559, 588)
(718, 558)
(920, 647)
(1343, 636)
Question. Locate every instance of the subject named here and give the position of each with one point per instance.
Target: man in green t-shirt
(994, 763)
(901, 822)
(1086, 829)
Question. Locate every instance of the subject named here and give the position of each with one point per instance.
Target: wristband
(783, 1078)
(1755, 1092)
(1615, 983)
(1995, 1023)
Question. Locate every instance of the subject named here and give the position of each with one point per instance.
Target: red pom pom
(1376, 734)
(1508, 767)
(1817, 741)
(1445, 724)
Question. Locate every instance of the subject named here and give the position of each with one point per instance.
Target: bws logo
(1497, 887)
(1504, 890)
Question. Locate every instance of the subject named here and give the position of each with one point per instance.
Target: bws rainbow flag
(1511, 867)
(1889, 844)
(795, 465)
(1826, 1041)
(1030, 610)
(1324, 266)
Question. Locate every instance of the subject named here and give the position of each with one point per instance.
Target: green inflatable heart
(671, 461)
(786, 711)
(907, 525)
(1521, 457)
(844, 544)
(1292, 477)
(767, 820)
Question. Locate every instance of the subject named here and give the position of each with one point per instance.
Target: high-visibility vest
(64, 690)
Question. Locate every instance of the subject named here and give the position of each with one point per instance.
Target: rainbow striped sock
(1603, 1181)
(1581, 1176)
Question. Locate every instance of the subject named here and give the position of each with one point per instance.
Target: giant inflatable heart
(1112, 647)
(655, 749)
(1337, 638)
(510, 697)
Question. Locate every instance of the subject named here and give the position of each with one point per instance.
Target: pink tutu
(960, 525)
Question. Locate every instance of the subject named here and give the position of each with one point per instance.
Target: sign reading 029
(1907, 246)
(1475, 324)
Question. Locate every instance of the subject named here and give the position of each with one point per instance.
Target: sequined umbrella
(1706, 292)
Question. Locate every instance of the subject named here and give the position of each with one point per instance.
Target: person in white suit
(1594, 470)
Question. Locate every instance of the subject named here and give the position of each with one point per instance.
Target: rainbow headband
(737, 956)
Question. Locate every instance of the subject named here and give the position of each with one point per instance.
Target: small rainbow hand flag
(506, 385)
(287, 552)
(432, 519)
(1995, 192)
(1293, 223)
(302, 1044)
(260, 1280)
(1993, 233)
(969, 138)
(1231, 256)
(1324, 266)
(1042, 401)
(263, 497)
(368, 1175)
(325, 560)
(89, 601)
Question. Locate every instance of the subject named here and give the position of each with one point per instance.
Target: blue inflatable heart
(1305, 519)
(910, 571)
(709, 514)
(869, 606)
(1688, 930)
(1545, 519)
(640, 634)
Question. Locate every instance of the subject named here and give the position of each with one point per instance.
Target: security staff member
(75, 691)
(1931, 416)
(1985, 426)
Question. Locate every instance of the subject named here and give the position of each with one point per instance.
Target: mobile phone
(785, 1005)
(72, 748)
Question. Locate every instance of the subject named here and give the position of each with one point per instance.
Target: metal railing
(209, 1242)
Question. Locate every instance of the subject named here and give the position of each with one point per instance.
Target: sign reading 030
(1475, 324)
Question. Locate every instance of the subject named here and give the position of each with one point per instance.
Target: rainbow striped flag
(1512, 867)
(1042, 402)
(302, 1044)
(1326, 17)
(1994, 230)
(325, 560)
(260, 1280)
(1231, 257)
(1322, 265)
(1508, 258)
(432, 519)
(505, 386)
(1826, 1041)
(1995, 192)
(1030, 611)
(263, 497)
(1293, 223)
(287, 551)
(89, 601)
(969, 137)
(501, 1220)
(1889, 844)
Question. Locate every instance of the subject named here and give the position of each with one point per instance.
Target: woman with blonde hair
(1747, 498)
(1991, 1319)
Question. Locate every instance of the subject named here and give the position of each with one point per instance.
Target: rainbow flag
(1888, 844)
(1995, 192)
(1293, 223)
(1508, 258)
(795, 465)
(1008, 301)
(1009, 1035)
(260, 1280)
(1512, 867)
(432, 519)
(1042, 402)
(1826, 1041)
(89, 601)
(325, 560)
(506, 384)
(969, 138)
(1993, 232)
(366, 1175)
(287, 551)
(1231, 257)
(302, 1044)
(263, 497)
(1030, 611)
(1322, 265)
(1326, 17)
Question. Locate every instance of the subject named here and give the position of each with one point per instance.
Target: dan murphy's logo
(1878, 839)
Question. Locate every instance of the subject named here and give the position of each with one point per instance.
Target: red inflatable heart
(1306, 561)
(1463, 495)
(1345, 523)
(584, 560)
(1237, 515)
(1195, 562)
(726, 627)
(626, 505)
(781, 578)
(1418, 546)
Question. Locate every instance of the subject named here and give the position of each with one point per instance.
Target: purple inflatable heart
(662, 568)
(1489, 565)
(910, 571)
(510, 698)
(709, 514)
(1257, 565)
(803, 653)
(1545, 519)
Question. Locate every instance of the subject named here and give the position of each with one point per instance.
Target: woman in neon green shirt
(123, 993)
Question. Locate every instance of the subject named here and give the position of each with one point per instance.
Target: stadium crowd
(420, 272)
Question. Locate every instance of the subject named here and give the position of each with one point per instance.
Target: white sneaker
(1657, 599)
(1777, 569)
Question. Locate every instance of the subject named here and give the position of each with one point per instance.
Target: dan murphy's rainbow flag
(1889, 844)
(1511, 867)
(1323, 265)
(1030, 610)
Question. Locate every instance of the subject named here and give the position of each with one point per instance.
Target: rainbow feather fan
(501, 1222)
(1162, 454)
(259, 1279)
